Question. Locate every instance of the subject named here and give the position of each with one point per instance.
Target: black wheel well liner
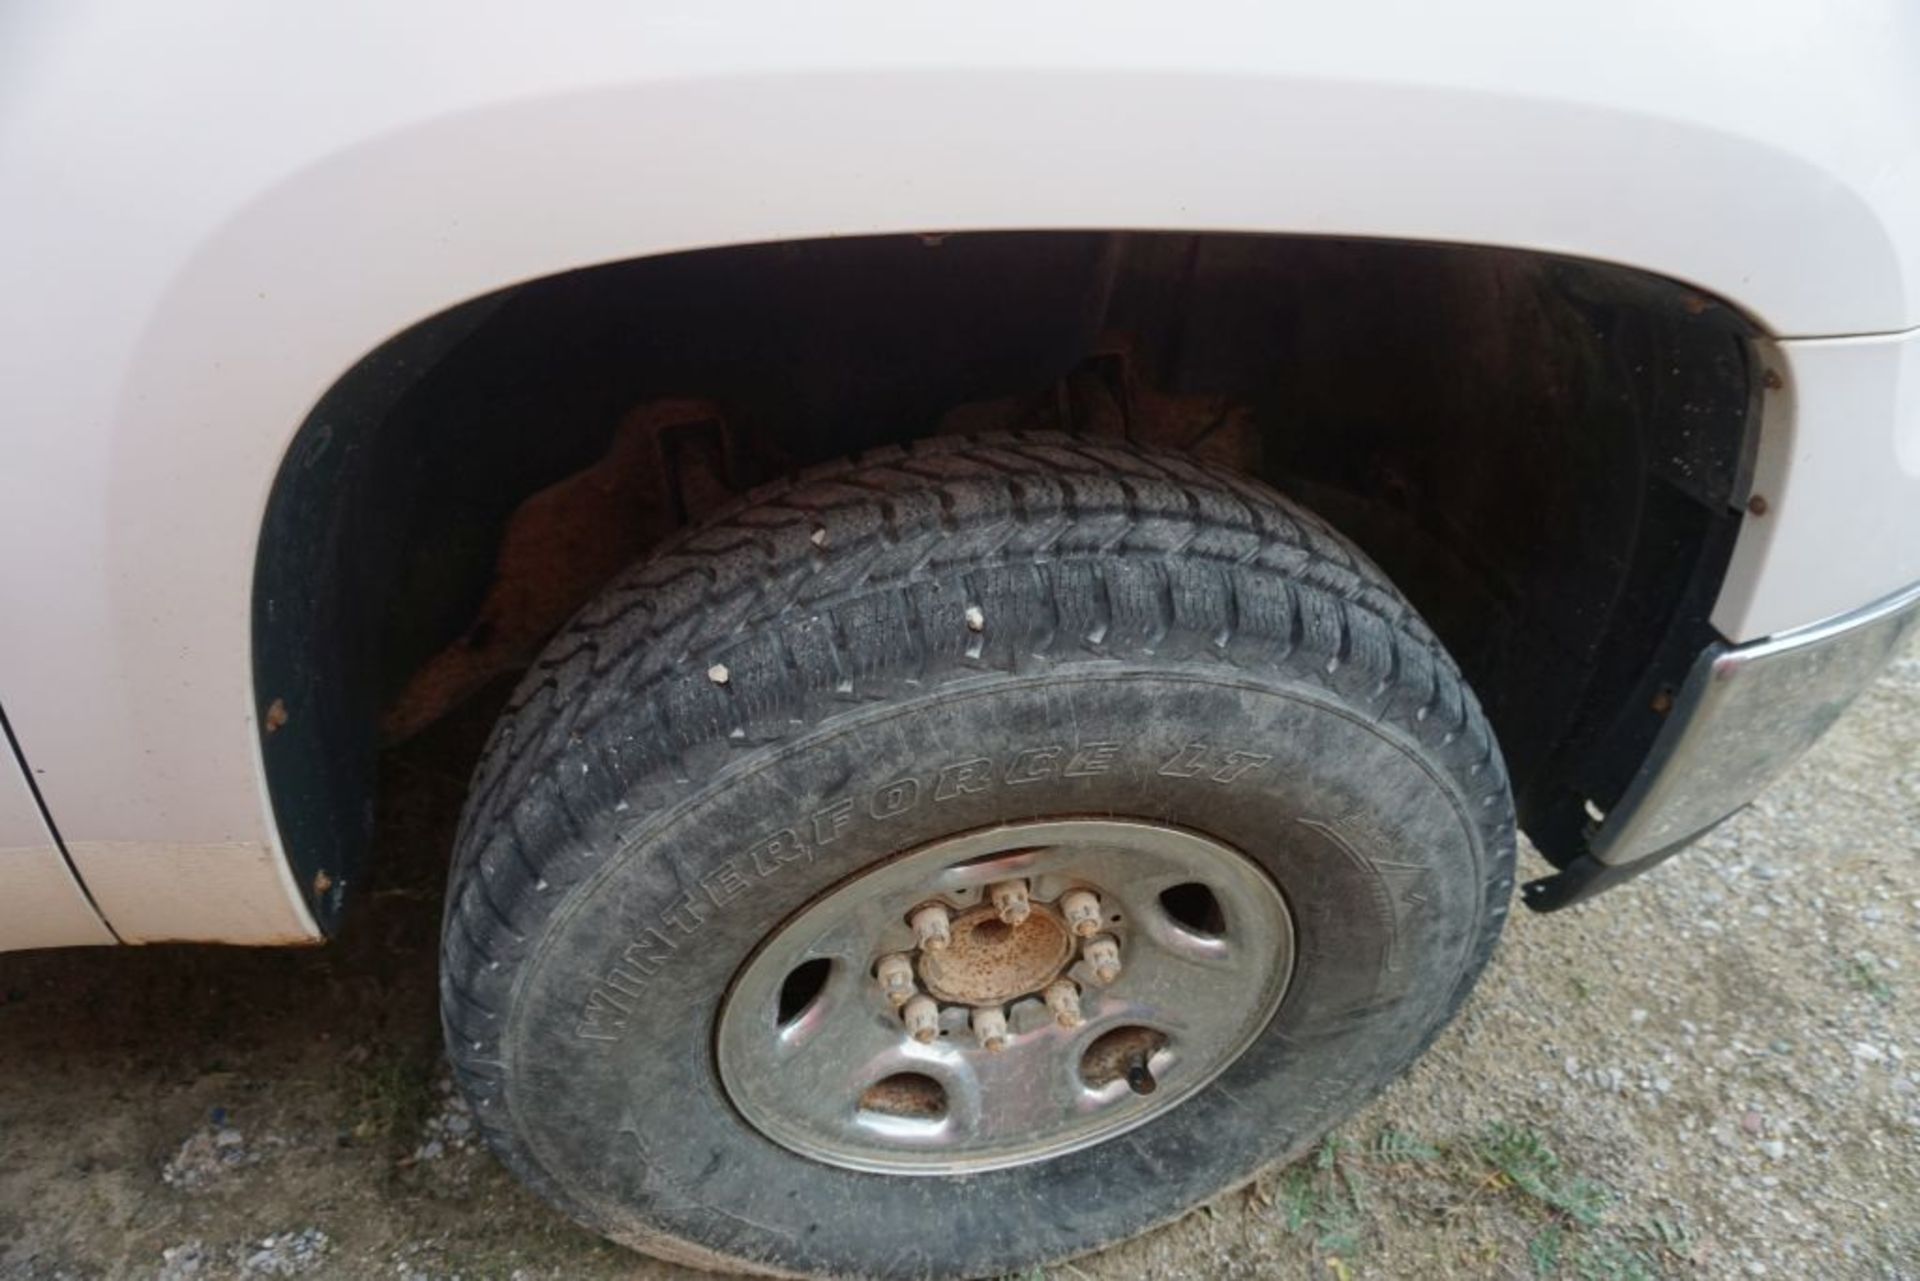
(1549, 456)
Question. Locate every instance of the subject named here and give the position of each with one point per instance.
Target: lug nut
(931, 927)
(895, 973)
(1010, 901)
(1082, 911)
(1063, 1001)
(922, 1018)
(1102, 954)
(990, 1028)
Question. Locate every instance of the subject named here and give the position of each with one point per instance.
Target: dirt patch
(1714, 1071)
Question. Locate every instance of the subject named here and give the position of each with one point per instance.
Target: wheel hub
(989, 962)
(1005, 996)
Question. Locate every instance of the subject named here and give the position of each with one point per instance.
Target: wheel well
(1547, 455)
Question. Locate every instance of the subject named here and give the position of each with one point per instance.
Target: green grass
(1329, 1199)
(1339, 1198)
(1544, 1250)
(1864, 976)
(393, 1094)
(1521, 1157)
(1577, 1238)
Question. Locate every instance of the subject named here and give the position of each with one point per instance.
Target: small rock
(1867, 1052)
(206, 1155)
(287, 1254)
(1775, 1149)
(180, 1262)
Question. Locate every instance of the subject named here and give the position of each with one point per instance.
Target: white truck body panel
(215, 208)
(1839, 473)
(40, 905)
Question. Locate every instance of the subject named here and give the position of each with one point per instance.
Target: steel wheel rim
(809, 1081)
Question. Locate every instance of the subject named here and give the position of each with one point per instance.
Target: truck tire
(1215, 838)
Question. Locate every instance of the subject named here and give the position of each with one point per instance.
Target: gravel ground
(1712, 1072)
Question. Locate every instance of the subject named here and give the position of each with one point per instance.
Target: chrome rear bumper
(1745, 713)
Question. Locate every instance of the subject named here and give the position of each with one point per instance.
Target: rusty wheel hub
(989, 962)
(1004, 996)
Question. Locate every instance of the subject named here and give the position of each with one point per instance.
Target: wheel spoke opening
(908, 1096)
(1194, 908)
(800, 990)
(1123, 1054)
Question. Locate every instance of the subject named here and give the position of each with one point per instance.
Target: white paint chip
(719, 674)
